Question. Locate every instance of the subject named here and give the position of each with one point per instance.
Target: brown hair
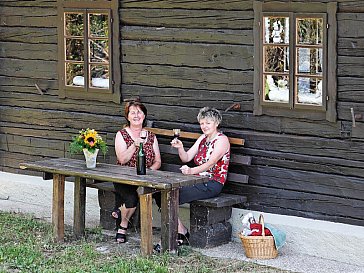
(136, 104)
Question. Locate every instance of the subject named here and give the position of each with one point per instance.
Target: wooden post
(58, 207)
(79, 206)
(169, 219)
(146, 232)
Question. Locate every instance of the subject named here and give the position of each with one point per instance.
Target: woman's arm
(222, 145)
(123, 153)
(183, 155)
(157, 160)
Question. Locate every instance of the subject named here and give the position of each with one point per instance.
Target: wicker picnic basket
(259, 247)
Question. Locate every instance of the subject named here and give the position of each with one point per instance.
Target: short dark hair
(136, 104)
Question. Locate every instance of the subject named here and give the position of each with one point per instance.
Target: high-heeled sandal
(183, 239)
(117, 219)
(120, 238)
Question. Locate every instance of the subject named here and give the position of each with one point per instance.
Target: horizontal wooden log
(296, 203)
(26, 34)
(16, 50)
(187, 54)
(351, 89)
(191, 4)
(185, 18)
(187, 77)
(321, 164)
(226, 36)
(29, 68)
(28, 16)
(190, 97)
(350, 66)
(348, 24)
(307, 181)
(28, 3)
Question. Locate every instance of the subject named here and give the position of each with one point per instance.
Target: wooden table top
(161, 180)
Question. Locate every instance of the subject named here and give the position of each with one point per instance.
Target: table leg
(79, 206)
(169, 220)
(146, 232)
(58, 207)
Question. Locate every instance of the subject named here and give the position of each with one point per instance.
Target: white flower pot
(90, 158)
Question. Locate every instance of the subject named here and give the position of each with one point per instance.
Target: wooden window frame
(328, 110)
(86, 93)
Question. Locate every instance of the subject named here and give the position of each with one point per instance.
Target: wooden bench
(209, 218)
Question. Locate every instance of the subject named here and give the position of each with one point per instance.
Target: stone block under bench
(209, 220)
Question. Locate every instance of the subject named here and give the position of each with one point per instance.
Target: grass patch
(26, 245)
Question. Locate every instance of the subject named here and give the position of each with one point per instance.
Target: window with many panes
(295, 60)
(88, 50)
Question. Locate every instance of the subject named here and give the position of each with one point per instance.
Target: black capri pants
(125, 194)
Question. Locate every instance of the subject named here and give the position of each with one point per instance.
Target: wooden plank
(27, 3)
(302, 204)
(190, 4)
(184, 18)
(187, 77)
(58, 207)
(220, 56)
(190, 135)
(146, 224)
(223, 200)
(79, 207)
(29, 68)
(28, 51)
(227, 36)
(220, 99)
(28, 16)
(26, 34)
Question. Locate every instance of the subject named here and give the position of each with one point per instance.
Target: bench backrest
(171, 161)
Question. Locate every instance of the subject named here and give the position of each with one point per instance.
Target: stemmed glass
(176, 133)
(143, 135)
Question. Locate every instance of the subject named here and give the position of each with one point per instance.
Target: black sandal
(183, 239)
(117, 219)
(120, 238)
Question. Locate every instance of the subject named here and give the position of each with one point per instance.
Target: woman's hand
(185, 169)
(176, 143)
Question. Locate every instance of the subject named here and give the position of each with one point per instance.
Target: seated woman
(126, 147)
(211, 154)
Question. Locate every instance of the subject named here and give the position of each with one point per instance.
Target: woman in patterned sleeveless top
(126, 147)
(211, 154)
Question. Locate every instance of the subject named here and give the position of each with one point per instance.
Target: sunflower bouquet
(88, 139)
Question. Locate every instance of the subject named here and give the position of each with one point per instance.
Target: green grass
(26, 245)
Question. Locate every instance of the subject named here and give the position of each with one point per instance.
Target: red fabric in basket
(257, 230)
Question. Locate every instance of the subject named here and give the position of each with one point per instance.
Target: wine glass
(143, 135)
(176, 133)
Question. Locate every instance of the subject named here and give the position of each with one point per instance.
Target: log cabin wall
(178, 57)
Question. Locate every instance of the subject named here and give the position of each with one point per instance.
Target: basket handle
(261, 221)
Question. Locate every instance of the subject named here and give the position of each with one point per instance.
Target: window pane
(99, 51)
(309, 31)
(75, 74)
(74, 50)
(74, 24)
(309, 60)
(276, 59)
(309, 91)
(276, 30)
(99, 25)
(276, 88)
(99, 76)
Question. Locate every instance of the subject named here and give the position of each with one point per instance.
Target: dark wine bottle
(141, 164)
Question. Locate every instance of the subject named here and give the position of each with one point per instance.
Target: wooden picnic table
(168, 183)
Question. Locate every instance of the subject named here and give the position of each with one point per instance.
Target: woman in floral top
(211, 154)
(127, 143)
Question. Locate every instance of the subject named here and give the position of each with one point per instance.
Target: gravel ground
(30, 194)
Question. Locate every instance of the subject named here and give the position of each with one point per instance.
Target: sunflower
(90, 138)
